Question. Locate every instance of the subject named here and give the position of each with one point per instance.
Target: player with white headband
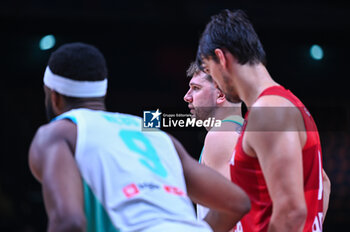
(72, 88)
(100, 172)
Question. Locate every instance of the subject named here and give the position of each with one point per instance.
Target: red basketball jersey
(246, 173)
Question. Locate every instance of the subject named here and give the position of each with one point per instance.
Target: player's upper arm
(218, 150)
(326, 193)
(273, 135)
(52, 162)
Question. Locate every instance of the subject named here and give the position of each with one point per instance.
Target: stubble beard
(203, 113)
(230, 92)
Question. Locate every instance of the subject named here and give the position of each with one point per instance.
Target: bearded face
(201, 96)
(223, 80)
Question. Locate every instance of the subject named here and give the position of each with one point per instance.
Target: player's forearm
(291, 220)
(222, 222)
(67, 224)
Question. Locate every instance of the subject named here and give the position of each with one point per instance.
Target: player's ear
(221, 56)
(57, 102)
(220, 97)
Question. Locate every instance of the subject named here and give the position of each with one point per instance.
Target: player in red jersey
(278, 158)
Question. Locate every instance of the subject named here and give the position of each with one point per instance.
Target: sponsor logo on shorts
(134, 189)
(130, 190)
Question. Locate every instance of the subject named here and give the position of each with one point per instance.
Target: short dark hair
(233, 31)
(194, 70)
(78, 61)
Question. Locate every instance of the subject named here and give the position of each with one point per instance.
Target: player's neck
(92, 105)
(227, 110)
(253, 81)
(223, 112)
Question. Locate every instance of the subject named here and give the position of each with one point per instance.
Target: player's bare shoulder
(219, 145)
(57, 130)
(47, 136)
(274, 113)
(272, 118)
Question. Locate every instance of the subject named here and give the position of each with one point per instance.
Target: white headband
(72, 88)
